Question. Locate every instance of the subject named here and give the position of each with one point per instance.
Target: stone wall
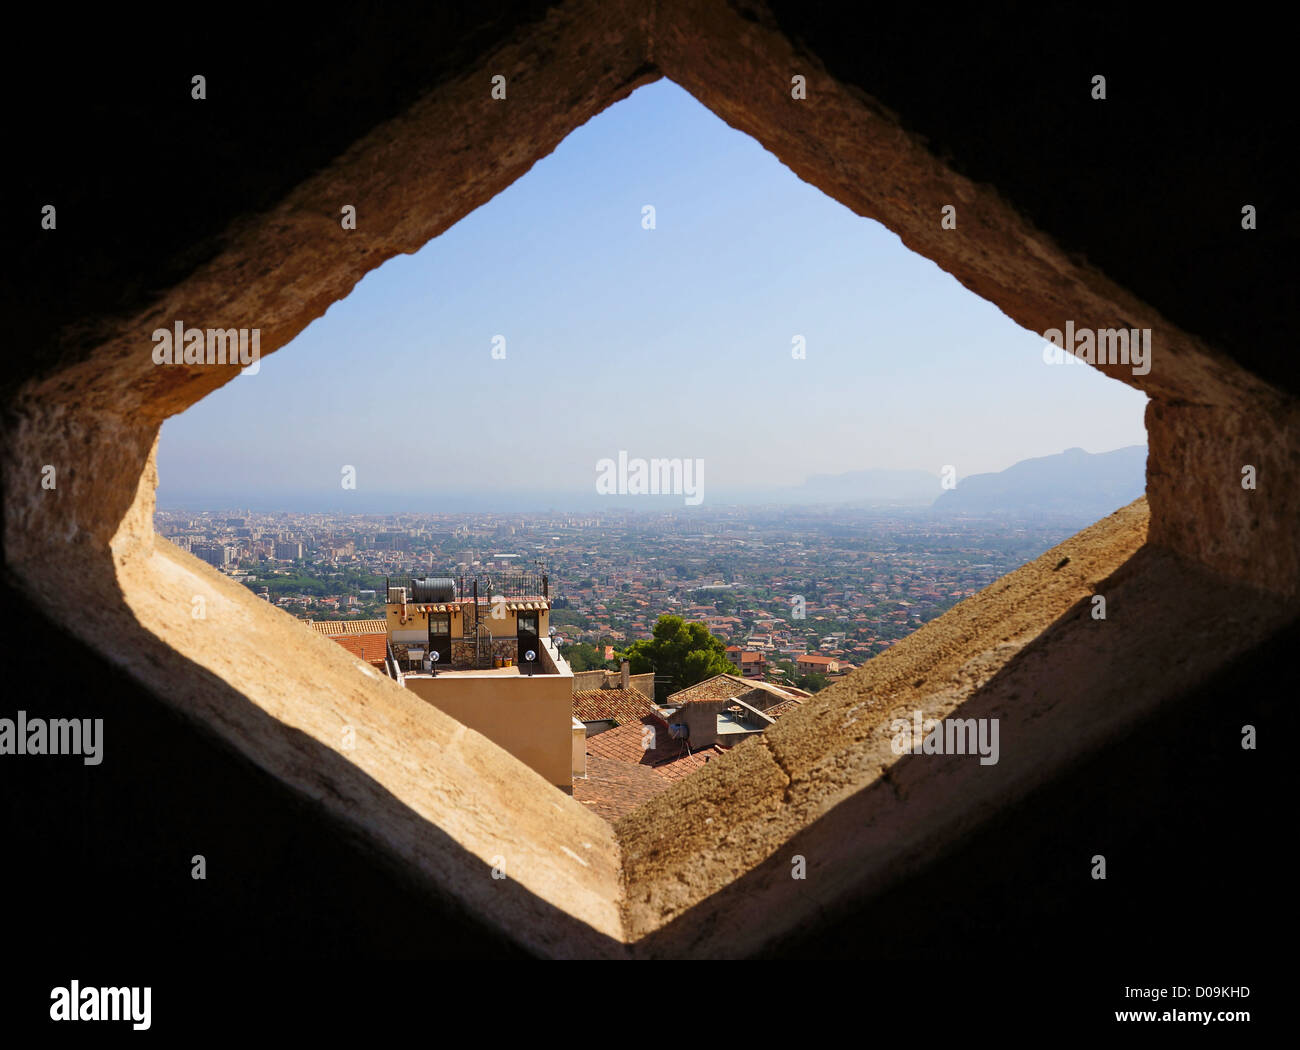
(605, 679)
(395, 115)
(464, 653)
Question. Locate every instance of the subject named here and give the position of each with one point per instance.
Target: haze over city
(674, 341)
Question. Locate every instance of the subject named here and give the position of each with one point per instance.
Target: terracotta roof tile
(613, 789)
(621, 705)
(719, 687)
(336, 627)
(729, 687)
(372, 648)
(668, 758)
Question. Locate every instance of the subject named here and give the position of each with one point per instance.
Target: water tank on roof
(433, 589)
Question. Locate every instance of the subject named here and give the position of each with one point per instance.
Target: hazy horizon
(379, 503)
(669, 342)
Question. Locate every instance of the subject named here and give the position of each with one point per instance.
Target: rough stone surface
(1220, 570)
(824, 783)
(1200, 505)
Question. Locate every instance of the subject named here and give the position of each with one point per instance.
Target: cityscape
(783, 583)
(635, 481)
(616, 654)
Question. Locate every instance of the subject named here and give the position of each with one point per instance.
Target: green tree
(681, 653)
(569, 618)
(813, 682)
(583, 656)
(725, 604)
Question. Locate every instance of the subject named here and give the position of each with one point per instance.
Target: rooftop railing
(484, 586)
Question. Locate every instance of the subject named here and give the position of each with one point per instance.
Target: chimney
(623, 674)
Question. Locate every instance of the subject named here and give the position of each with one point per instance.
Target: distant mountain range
(1073, 482)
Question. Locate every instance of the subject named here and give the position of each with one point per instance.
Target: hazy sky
(670, 342)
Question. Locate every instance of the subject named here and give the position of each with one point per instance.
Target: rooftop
(783, 708)
(513, 671)
(464, 588)
(620, 705)
(667, 758)
(535, 604)
(613, 788)
(336, 627)
(727, 687)
(365, 639)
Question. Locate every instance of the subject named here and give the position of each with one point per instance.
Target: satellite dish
(530, 656)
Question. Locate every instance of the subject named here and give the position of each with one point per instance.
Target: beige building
(726, 709)
(814, 664)
(479, 649)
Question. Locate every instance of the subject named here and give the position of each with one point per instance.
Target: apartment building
(750, 662)
(479, 649)
(217, 555)
(812, 663)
